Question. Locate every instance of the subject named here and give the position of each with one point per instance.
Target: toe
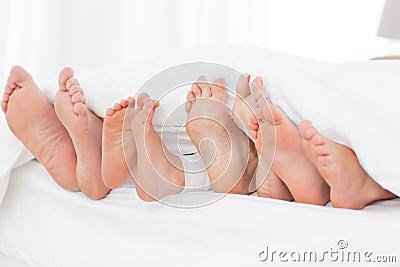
(258, 82)
(4, 106)
(188, 106)
(148, 105)
(267, 112)
(218, 90)
(306, 130)
(196, 89)
(320, 150)
(117, 107)
(190, 96)
(74, 88)
(72, 82)
(80, 109)
(10, 84)
(148, 111)
(78, 97)
(143, 97)
(309, 133)
(131, 102)
(63, 77)
(110, 112)
(317, 140)
(242, 86)
(8, 90)
(253, 124)
(124, 103)
(204, 86)
(17, 75)
(6, 97)
(257, 89)
(191, 99)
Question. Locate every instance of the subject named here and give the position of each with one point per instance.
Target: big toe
(64, 76)
(17, 75)
(242, 86)
(142, 99)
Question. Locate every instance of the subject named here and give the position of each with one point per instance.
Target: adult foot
(85, 129)
(351, 186)
(118, 143)
(159, 173)
(33, 121)
(230, 158)
(290, 163)
(268, 184)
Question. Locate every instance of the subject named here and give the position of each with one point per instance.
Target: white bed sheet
(43, 225)
(10, 262)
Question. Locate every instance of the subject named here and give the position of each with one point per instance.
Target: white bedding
(354, 103)
(46, 226)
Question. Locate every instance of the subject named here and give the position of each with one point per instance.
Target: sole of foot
(85, 130)
(228, 154)
(118, 144)
(159, 173)
(351, 186)
(268, 184)
(271, 186)
(34, 122)
(278, 134)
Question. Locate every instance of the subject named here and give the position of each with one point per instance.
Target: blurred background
(45, 35)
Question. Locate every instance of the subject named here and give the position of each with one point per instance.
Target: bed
(43, 225)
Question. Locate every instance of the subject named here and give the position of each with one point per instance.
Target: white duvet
(353, 103)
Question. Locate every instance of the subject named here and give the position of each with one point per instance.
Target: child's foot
(351, 186)
(32, 119)
(118, 143)
(159, 173)
(268, 183)
(290, 163)
(85, 129)
(230, 158)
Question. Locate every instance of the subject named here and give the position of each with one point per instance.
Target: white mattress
(43, 225)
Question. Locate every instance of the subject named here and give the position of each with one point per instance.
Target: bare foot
(159, 173)
(291, 163)
(118, 141)
(271, 186)
(268, 184)
(85, 129)
(230, 157)
(351, 186)
(33, 121)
